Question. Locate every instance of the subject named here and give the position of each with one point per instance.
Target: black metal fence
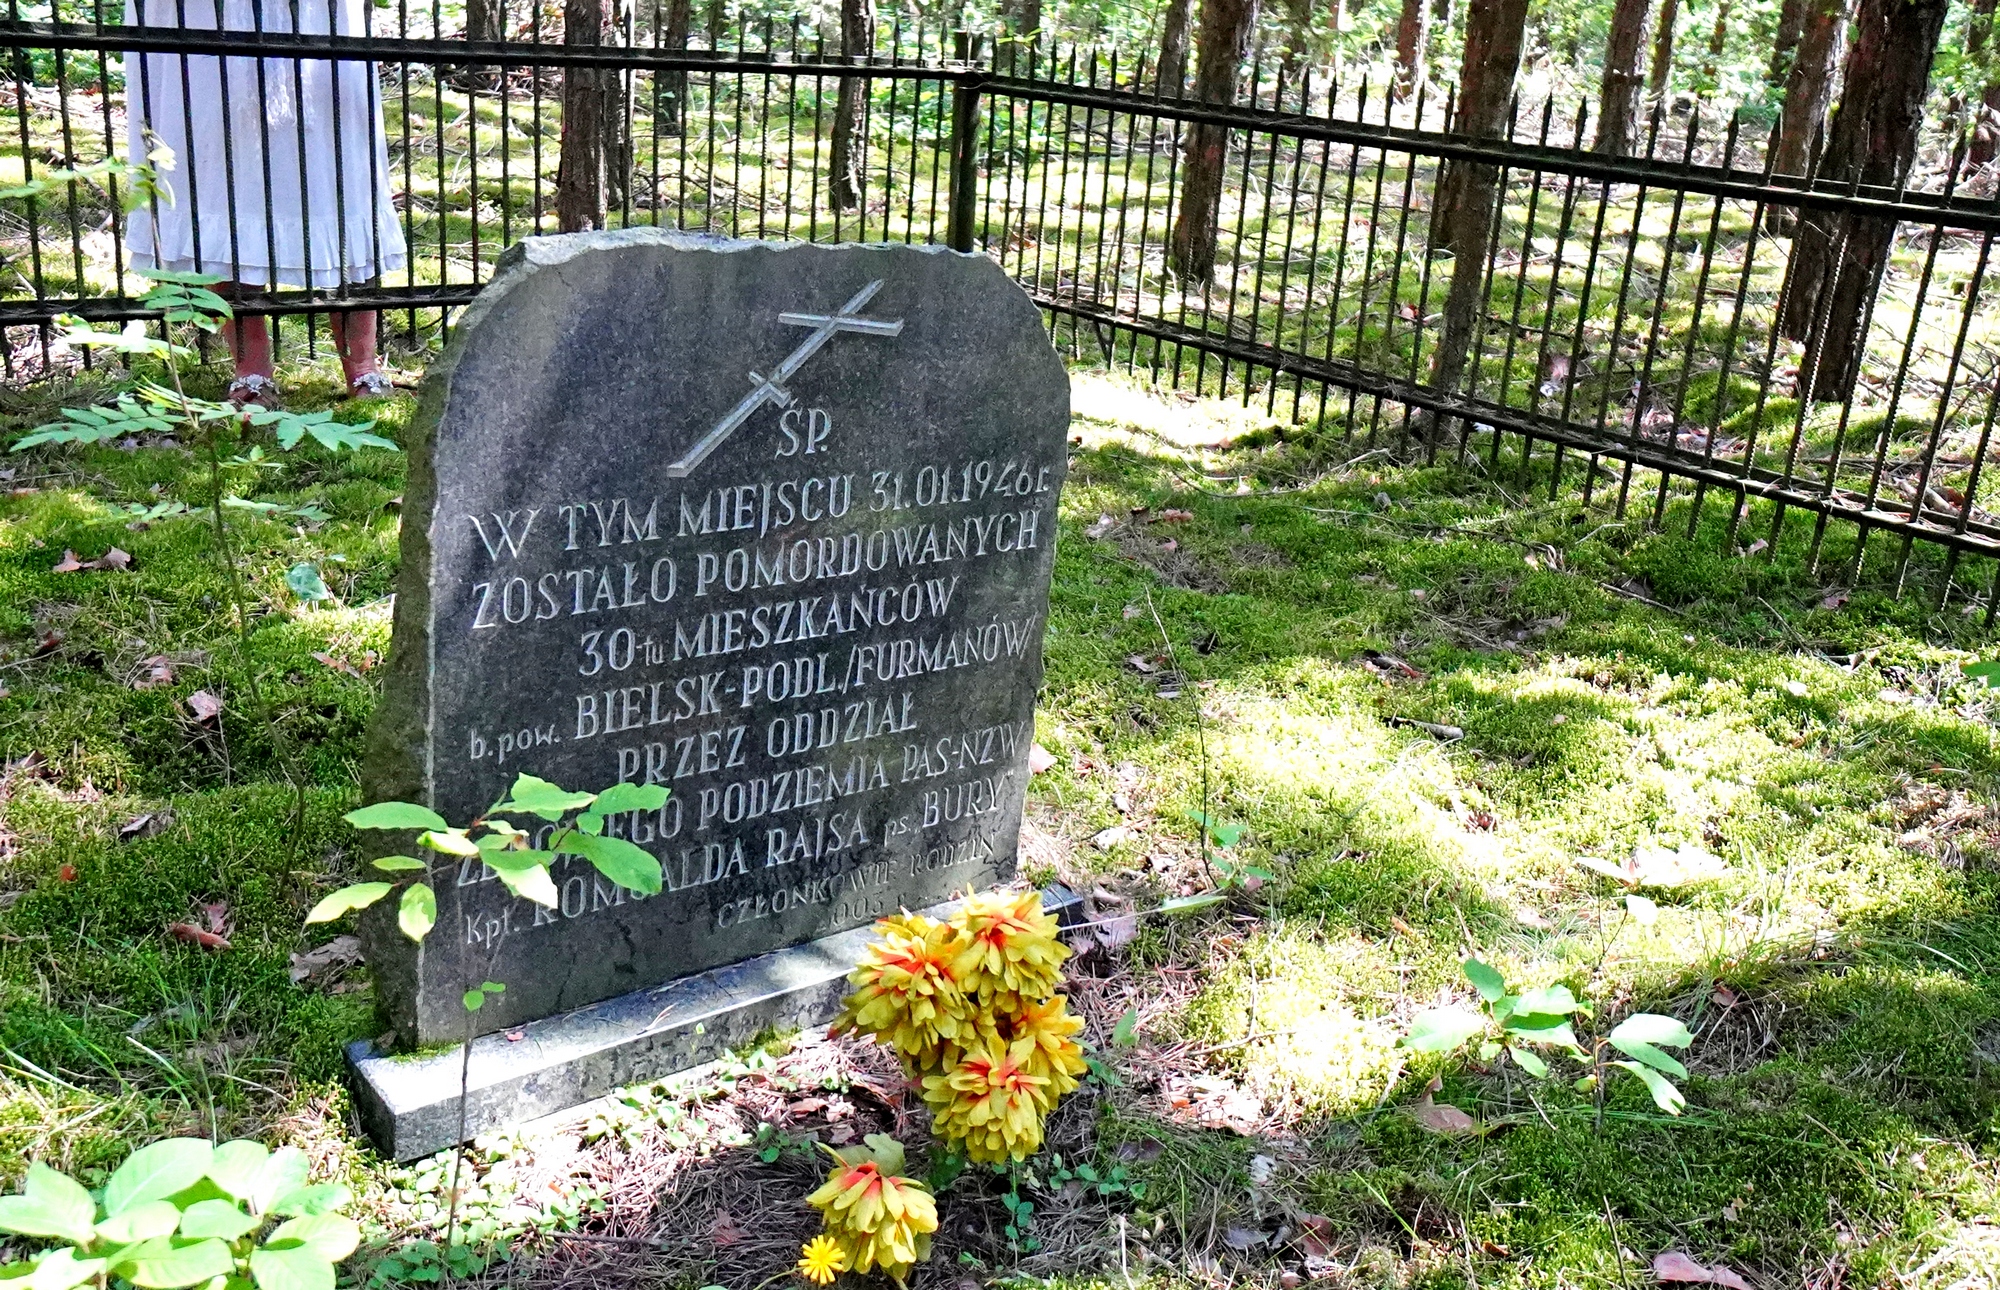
(1628, 341)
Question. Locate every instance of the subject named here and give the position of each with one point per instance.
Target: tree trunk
(850, 146)
(1298, 35)
(483, 20)
(1619, 93)
(1663, 51)
(1221, 44)
(616, 106)
(1463, 211)
(580, 172)
(1837, 258)
(1717, 40)
(1986, 126)
(1027, 17)
(670, 88)
(1785, 43)
(1410, 45)
(1809, 85)
(1173, 48)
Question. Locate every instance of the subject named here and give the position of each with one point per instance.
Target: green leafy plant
(182, 1212)
(503, 848)
(230, 442)
(1230, 875)
(1525, 1024)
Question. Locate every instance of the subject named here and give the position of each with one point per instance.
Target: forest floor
(1280, 628)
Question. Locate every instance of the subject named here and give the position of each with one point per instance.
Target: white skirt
(280, 168)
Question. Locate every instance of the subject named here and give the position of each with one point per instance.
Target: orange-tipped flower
(1008, 945)
(990, 1104)
(1055, 1056)
(908, 995)
(879, 1218)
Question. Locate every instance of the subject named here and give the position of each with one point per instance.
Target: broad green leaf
(474, 1000)
(315, 1198)
(400, 864)
(1657, 1058)
(630, 797)
(539, 797)
(51, 1204)
(294, 1267)
(168, 1261)
(282, 1174)
(1989, 672)
(526, 874)
(304, 580)
(1529, 1062)
(182, 277)
(1440, 1030)
(359, 896)
(623, 862)
(1652, 1028)
(590, 822)
(1644, 910)
(1200, 900)
(1665, 1095)
(60, 1269)
(1486, 979)
(235, 1166)
(157, 1171)
(395, 815)
(418, 912)
(333, 436)
(1543, 1029)
(218, 1218)
(1126, 1033)
(493, 987)
(1489, 1049)
(331, 1236)
(1549, 1001)
(452, 842)
(141, 1222)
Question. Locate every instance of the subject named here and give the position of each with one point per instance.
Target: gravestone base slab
(409, 1104)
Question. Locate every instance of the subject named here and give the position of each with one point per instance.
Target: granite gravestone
(771, 525)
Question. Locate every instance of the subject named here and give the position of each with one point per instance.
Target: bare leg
(354, 340)
(249, 341)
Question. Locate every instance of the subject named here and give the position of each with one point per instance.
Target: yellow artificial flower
(1055, 1056)
(990, 1104)
(879, 1218)
(821, 1259)
(1008, 946)
(908, 996)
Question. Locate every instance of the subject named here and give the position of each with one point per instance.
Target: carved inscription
(773, 529)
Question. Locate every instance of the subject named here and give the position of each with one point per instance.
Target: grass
(1842, 975)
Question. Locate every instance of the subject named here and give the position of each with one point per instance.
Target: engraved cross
(772, 389)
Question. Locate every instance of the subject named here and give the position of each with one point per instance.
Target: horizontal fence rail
(1639, 329)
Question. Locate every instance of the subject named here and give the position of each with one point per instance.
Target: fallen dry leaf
(189, 932)
(1241, 1239)
(1315, 1236)
(1833, 600)
(154, 672)
(1140, 663)
(217, 914)
(516, 1036)
(1171, 516)
(145, 826)
(338, 665)
(1143, 1150)
(806, 1106)
(1672, 1265)
(340, 952)
(66, 874)
(205, 706)
(114, 559)
(49, 643)
(1039, 759)
(1170, 545)
(68, 564)
(1105, 839)
(1444, 1118)
(1104, 525)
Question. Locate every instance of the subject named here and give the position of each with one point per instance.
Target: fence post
(964, 191)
